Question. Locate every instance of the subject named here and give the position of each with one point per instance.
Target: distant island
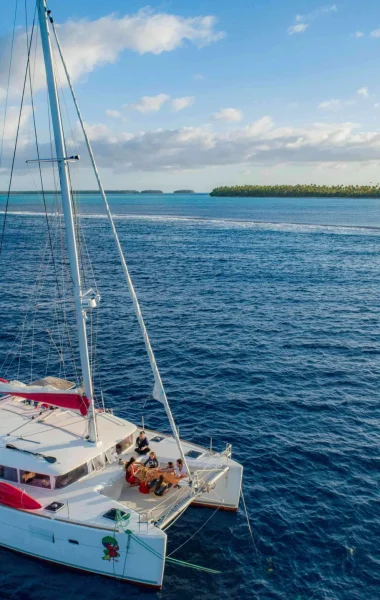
(34, 192)
(109, 191)
(299, 191)
(151, 192)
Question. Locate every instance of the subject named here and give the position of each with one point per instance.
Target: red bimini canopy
(46, 395)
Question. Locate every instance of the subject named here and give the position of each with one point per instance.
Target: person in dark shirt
(151, 462)
(142, 444)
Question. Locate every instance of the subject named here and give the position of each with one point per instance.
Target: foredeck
(149, 506)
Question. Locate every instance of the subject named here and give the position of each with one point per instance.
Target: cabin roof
(59, 433)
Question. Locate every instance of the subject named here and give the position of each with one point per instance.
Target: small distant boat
(63, 495)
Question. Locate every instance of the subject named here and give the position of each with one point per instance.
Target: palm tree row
(306, 190)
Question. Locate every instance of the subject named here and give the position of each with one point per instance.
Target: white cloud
(114, 114)
(302, 21)
(148, 104)
(228, 114)
(314, 14)
(260, 142)
(335, 104)
(257, 144)
(377, 105)
(363, 91)
(181, 103)
(358, 34)
(88, 45)
(299, 28)
(375, 33)
(11, 124)
(199, 77)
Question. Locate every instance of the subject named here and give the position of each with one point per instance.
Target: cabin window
(124, 444)
(36, 479)
(98, 462)
(111, 454)
(63, 480)
(8, 473)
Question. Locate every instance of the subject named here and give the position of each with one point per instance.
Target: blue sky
(209, 93)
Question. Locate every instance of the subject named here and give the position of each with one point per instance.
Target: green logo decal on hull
(111, 548)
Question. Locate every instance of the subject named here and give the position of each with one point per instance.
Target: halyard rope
(16, 140)
(8, 84)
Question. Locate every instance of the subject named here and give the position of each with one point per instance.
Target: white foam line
(283, 226)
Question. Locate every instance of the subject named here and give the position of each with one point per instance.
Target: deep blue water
(267, 336)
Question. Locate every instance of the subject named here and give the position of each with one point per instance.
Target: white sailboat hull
(135, 558)
(225, 493)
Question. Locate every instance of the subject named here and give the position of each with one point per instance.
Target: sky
(195, 95)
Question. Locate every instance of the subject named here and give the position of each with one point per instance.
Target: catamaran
(63, 493)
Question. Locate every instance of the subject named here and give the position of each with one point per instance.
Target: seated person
(142, 444)
(180, 470)
(151, 462)
(168, 469)
(161, 486)
(132, 471)
(27, 476)
(36, 479)
(152, 479)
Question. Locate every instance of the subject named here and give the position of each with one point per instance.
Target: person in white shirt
(180, 469)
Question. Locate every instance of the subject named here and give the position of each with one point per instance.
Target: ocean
(264, 317)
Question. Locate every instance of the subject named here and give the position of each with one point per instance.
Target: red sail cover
(16, 498)
(46, 395)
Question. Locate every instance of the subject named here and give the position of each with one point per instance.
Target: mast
(68, 215)
(159, 390)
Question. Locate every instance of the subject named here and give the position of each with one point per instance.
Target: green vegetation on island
(184, 192)
(300, 191)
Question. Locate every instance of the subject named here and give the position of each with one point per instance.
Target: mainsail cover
(47, 394)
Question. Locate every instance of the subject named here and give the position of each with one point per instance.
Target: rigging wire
(8, 83)
(60, 295)
(249, 523)
(64, 267)
(17, 136)
(72, 192)
(83, 252)
(194, 534)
